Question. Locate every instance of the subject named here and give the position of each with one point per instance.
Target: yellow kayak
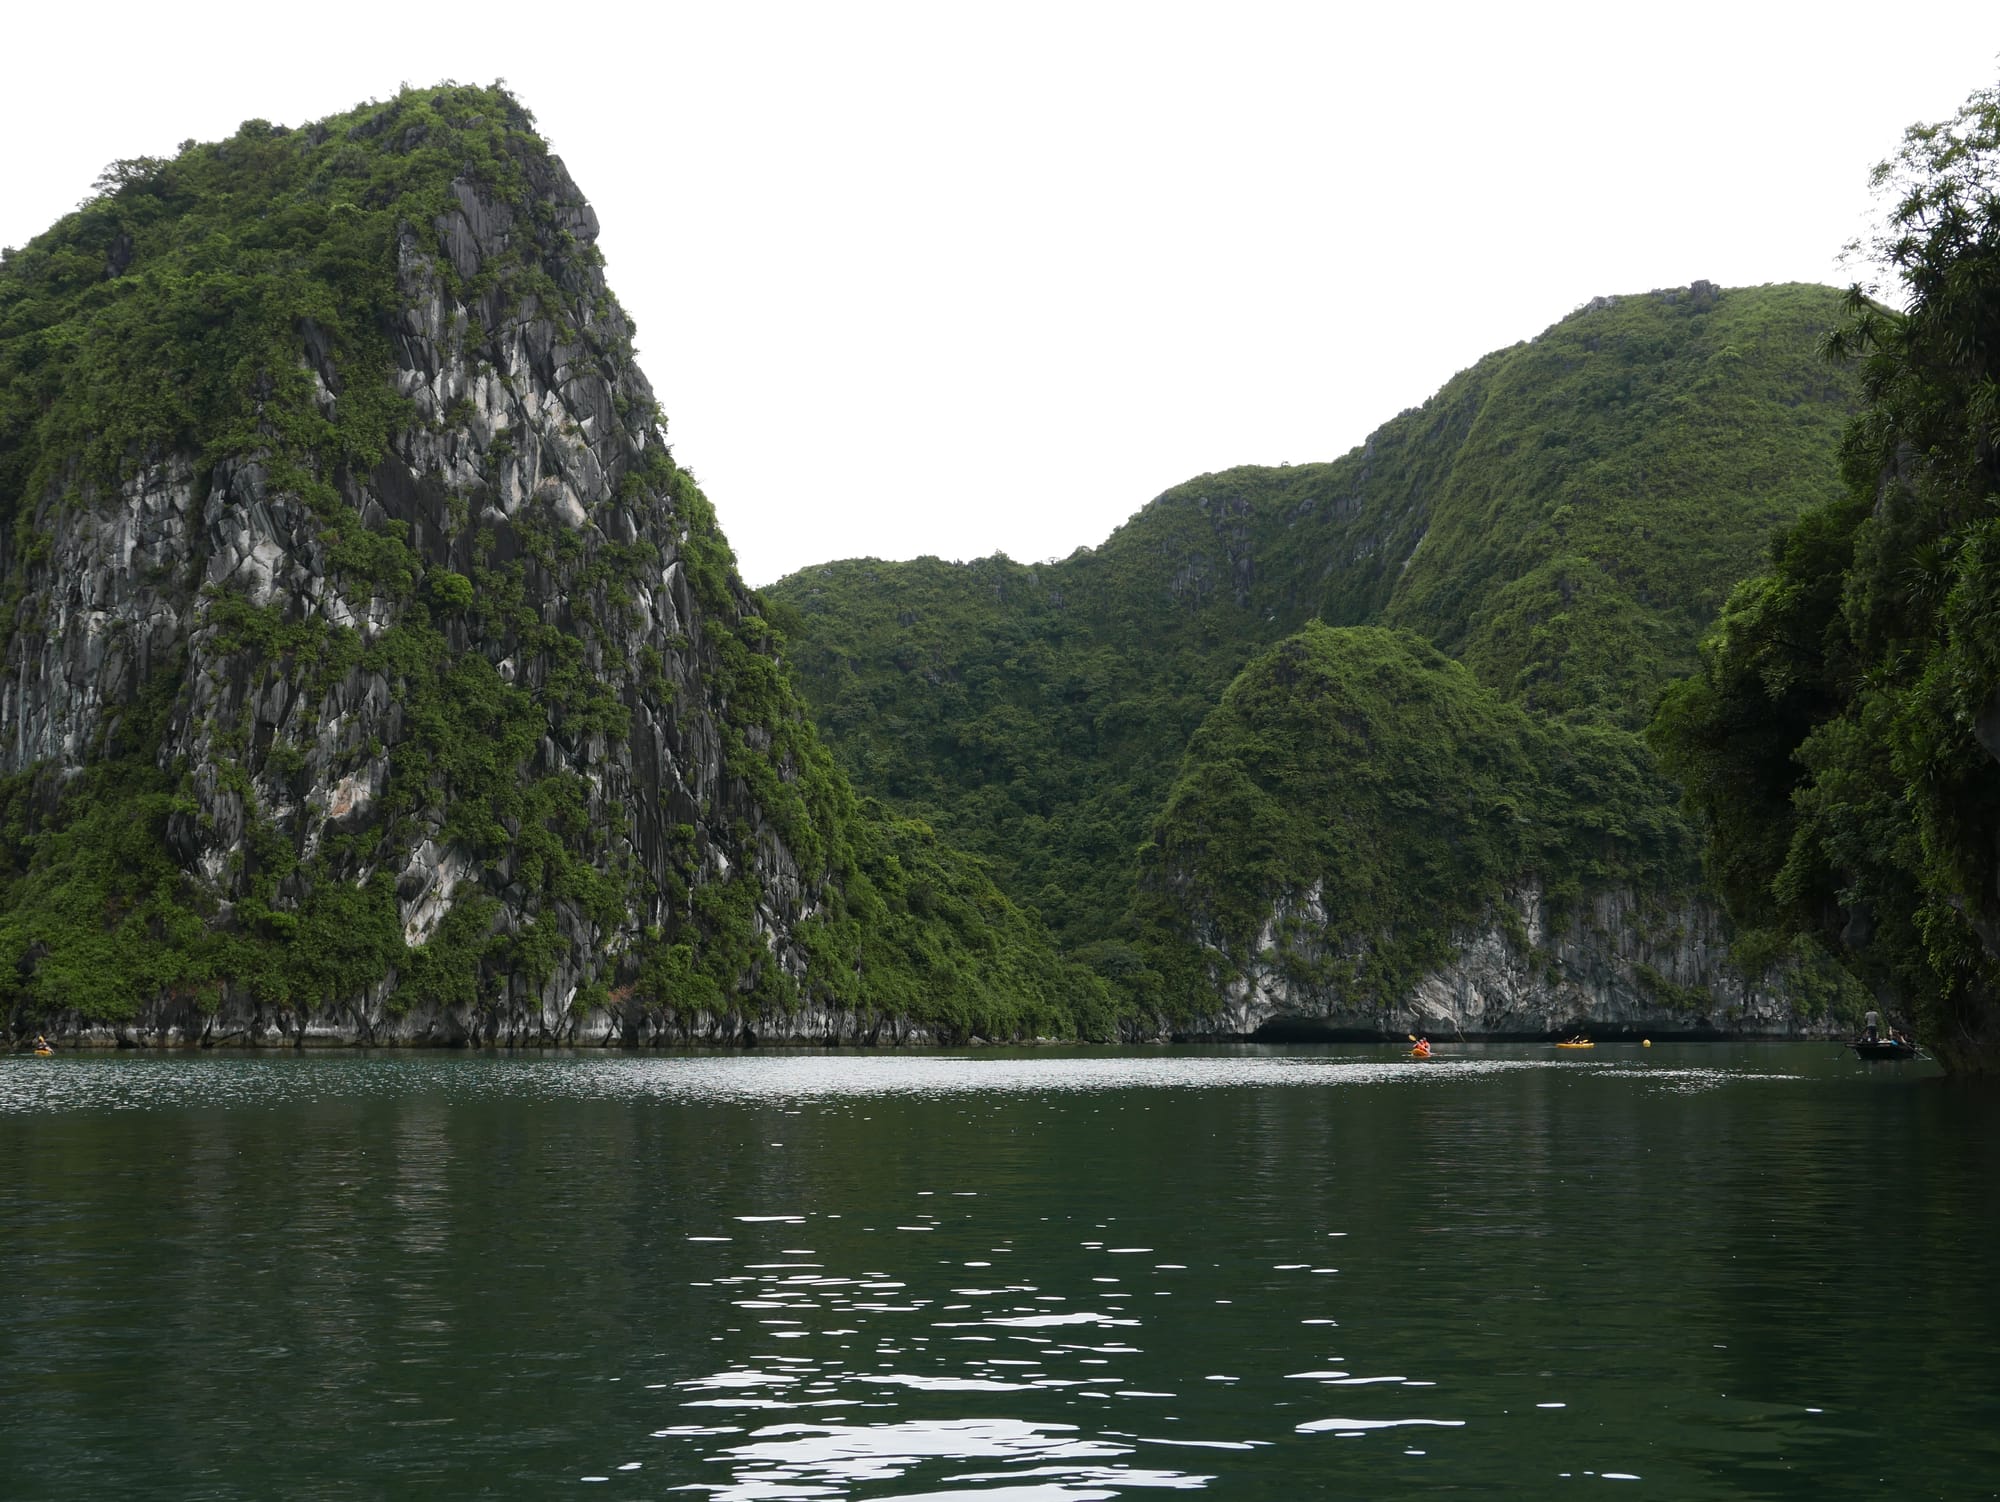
(45, 1053)
(1576, 1045)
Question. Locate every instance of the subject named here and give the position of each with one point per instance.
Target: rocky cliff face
(525, 444)
(416, 664)
(1626, 965)
(1365, 839)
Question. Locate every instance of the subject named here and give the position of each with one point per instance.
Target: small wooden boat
(1883, 1048)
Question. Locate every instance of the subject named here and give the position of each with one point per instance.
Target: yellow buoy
(1645, 1042)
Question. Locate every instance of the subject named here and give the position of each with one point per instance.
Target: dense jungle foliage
(173, 315)
(1839, 741)
(1359, 773)
(1565, 517)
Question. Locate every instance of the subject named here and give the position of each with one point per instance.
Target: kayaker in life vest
(1423, 1048)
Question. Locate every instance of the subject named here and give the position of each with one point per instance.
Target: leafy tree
(1839, 743)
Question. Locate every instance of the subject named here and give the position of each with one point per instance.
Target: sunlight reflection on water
(801, 1460)
(158, 1081)
(978, 1349)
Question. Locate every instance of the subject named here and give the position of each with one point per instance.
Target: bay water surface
(1686, 1271)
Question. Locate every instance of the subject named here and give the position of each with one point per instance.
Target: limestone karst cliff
(1621, 964)
(1364, 839)
(373, 671)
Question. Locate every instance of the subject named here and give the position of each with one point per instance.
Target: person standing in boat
(1871, 1026)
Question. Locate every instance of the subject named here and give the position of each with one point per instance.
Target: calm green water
(1260, 1273)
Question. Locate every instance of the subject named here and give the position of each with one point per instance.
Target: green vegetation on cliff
(1622, 471)
(1565, 517)
(1359, 773)
(169, 312)
(251, 314)
(504, 632)
(1840, 741)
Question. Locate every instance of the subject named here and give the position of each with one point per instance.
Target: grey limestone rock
(1627, 964)
(528, 428)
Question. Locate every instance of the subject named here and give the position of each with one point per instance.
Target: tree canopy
(1839, 743)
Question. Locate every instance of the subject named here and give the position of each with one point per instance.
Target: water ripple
(959, 1276)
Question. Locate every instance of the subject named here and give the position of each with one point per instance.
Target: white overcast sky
(957, 278)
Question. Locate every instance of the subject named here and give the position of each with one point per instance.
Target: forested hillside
(1362, 774)
(1564, 517)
